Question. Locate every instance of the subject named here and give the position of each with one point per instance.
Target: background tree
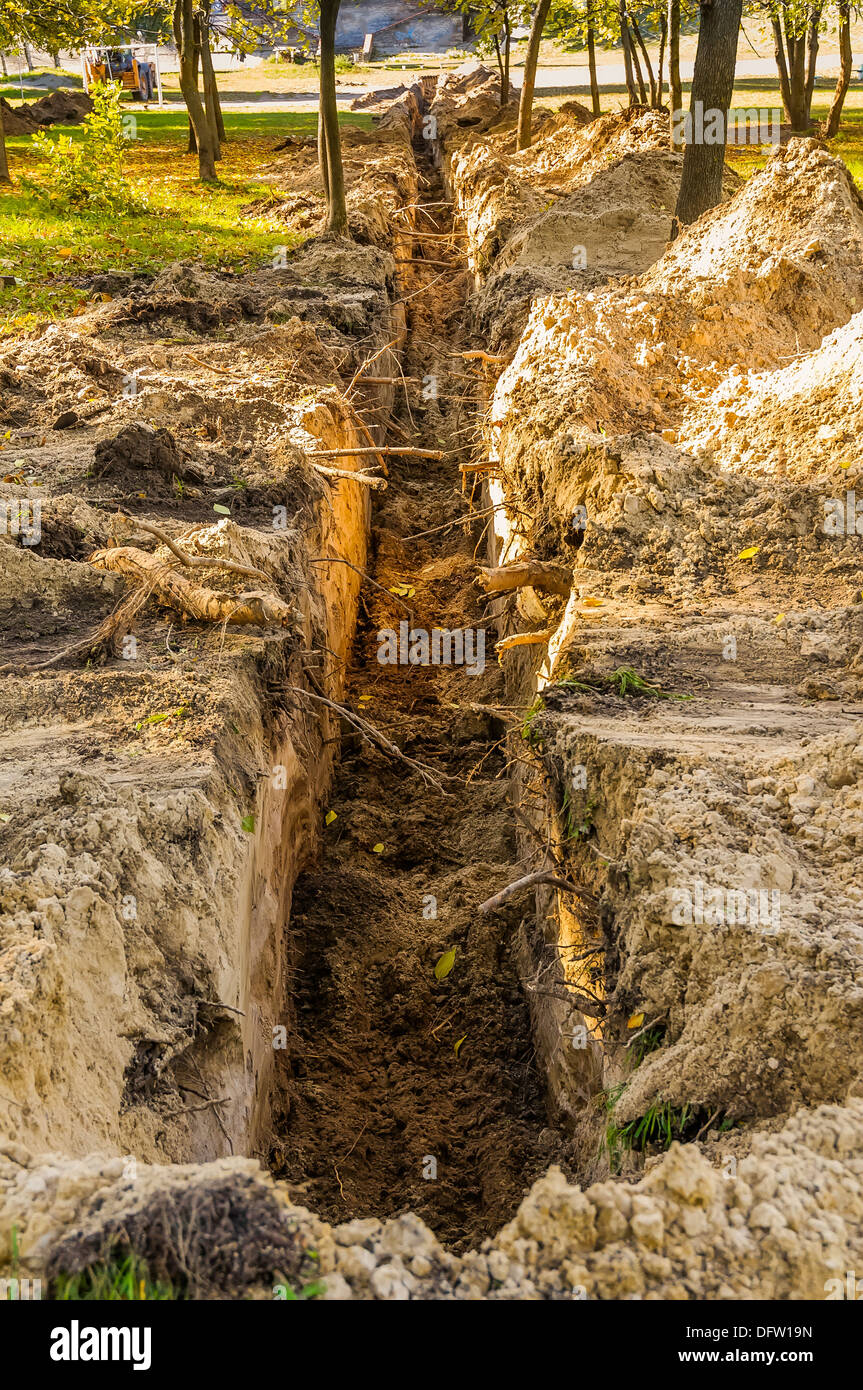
(834, 117)
(796, 26)
(329, 139)
(187, 37)
(525, 105)
(712, 85)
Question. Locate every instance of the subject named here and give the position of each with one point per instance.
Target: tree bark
(647, 63)
(811, 59)
(192, 146)
(712, 85)
(675, 88)
(636, 66)
(211, 90)
(663, 36)
(525, 105)
(507, 54)
(782, 67)
(337, 212)
(845, 58)
(591, 61)
(625, 43)
(28, 57)
(4, 159)
(184, 37)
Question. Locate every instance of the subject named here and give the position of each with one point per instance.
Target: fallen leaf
(458, 1044)
(330, 817)
(635, 1020)
(248, 823)
(846, 463)
(4, 816)
(593, 602)
(223, 511)
(780, 617)
(445, 964)
(747, 554)
(378, 848)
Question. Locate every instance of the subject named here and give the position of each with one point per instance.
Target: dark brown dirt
(400, 1091)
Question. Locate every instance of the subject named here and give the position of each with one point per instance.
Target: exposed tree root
(536, 574)
(524, 639)
(207, 605)
(539, 876)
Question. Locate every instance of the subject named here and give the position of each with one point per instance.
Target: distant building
(380, 27)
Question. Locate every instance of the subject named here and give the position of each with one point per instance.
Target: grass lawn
(53, 249)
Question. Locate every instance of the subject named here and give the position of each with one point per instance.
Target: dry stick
(192, 560)
(646, 1029)
(208, 365)
(373, 735)
(539, 876)
(370, 479)
(485, 467)
(368, 362)
(436, 265)
(388, 451)
(477, 355)
(534, 574)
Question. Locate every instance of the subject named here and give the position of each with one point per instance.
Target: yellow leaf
(458, 1044)
(846, 463)
(779, 618)
(65, 250)
(445, 964)
(635, 1020)
(747, 554)
(378, 848)
(330, 817)
(593, 602)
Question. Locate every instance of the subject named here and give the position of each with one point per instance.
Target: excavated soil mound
(56, 108)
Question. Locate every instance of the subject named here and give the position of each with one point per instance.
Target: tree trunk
(835, 115)
(811, 59)
(712, 85)
(525, 105)
(636, 66)
(782, 67)
(184, 37)
(4, 161)
(647, 63)
(625, 42)
(192, 146)
(663, 35)
(3, 62)
(507, 53)
(675, 89)
(211, 90)
(499, 55)
(337, 212)
(28, 57)
(591, 61)
(55, 58)
(797, 82)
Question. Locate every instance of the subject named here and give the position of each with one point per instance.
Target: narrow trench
(400, 1091)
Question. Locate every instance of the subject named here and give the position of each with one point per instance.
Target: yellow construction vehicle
(135, 74)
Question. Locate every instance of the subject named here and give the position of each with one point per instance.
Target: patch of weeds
(529, 733)
(116, 1281)
(306, 1294)
(579, 825)
(625, 682)
(658, 1127)
(650, 1041)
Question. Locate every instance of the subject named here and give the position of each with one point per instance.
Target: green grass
(50, 247)
(120, 1281)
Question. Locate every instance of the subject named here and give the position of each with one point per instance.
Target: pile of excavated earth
(222, 820)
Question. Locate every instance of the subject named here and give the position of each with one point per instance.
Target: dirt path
(403, 1091)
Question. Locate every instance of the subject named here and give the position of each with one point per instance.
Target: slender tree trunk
(811, 59)
(663, 35)
(507, 54)
(712, 85)
(28, 57)
(846, 60)
(675, 88)
(211, 91)
(636, 66)
(4, 159)
(525, 106)
(337, 212)
(625, 43)
(193, 144)
(647, 63)
(184, 36)
(797, 81)
(55, 58)
(782, 67)
(499, 55)
(591, 61)
(3, 62)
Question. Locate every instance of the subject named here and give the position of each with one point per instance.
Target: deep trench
(401, 1091)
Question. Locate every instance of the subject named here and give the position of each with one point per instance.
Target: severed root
(207, 561)
(207, 605)
(370, 479)
(537, 574)
(524, 639)
(494, 359)
(529, 880)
